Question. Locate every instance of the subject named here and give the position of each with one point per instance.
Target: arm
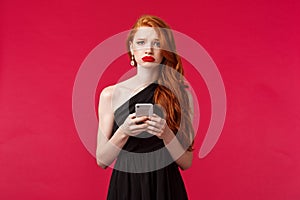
(108, 147)
(185, 160)
(182, 157)
(158, 127)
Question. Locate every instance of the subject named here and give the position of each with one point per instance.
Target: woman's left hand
(157, 126)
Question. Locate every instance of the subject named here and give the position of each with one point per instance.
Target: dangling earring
(132, 60)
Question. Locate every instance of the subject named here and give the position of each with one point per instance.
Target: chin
(149, 64)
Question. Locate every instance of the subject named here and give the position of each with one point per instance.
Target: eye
(156, 44)
(141, 42)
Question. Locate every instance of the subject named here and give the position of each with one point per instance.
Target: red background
(255, 45)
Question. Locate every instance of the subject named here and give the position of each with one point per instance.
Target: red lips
(148, 59)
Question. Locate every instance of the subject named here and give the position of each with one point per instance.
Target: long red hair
(171, 92)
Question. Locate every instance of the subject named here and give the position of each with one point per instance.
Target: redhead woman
(149, 150)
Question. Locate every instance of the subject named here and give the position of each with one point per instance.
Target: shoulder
(114, 90)
(105, 99)
(106, 95)
(110, 93)
(116, 94)
(107, 92)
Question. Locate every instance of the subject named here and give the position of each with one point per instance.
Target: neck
(147, 75)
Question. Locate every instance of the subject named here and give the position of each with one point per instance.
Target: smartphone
(143, 109)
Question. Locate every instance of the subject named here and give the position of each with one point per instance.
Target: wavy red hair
(171, 92)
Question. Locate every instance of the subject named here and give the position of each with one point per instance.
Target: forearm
(109, 151)
(182, 157)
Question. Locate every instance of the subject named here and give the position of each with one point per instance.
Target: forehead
(146, 32)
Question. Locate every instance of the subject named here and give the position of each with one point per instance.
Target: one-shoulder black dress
(144, 169)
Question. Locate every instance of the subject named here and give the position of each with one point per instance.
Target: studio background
(255, 45)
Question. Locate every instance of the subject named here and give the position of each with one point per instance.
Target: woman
(149, 149)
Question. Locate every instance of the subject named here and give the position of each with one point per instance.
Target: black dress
(144, 169)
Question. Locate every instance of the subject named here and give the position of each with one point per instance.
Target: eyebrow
(146, 39)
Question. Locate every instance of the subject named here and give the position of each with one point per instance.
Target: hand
(157, 126)
(133, 125)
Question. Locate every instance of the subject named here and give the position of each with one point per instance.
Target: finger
(138, 131)
(139, 119)
(156, 118)
(154, 129)
(151, 123)
(131, 116)
(139, 127)
(151, 132)
(154, 133)
(160, 125)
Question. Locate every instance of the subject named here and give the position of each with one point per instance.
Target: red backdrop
(255, 45)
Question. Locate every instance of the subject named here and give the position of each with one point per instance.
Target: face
(145, 47)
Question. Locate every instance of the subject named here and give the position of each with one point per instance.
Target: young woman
(149, 149)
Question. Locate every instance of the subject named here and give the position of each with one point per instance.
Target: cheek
(159, 56)
(137, 54)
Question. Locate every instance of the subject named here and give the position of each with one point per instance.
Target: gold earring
(132, 60)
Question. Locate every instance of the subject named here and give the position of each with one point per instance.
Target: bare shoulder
(116, 95)
(110, 90)
(105, 98)
(113, 95)
(121, 92)
(107, 92)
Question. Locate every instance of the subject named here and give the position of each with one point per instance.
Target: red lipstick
(148, 59)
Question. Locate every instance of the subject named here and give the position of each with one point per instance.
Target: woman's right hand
(133, 125)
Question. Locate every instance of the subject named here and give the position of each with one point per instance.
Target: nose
(148, 48)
